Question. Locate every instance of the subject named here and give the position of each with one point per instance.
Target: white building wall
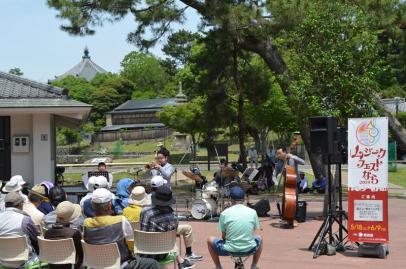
(41, 142)
(22, 163)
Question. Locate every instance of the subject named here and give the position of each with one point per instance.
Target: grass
(398, 178)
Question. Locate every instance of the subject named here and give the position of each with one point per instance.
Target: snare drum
(203, 208)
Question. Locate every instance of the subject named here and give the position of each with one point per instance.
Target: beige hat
(101, 196)
(39, 190)
(139, 197)
(67, 212)
(13, 199)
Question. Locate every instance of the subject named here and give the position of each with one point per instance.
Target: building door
(5, 154)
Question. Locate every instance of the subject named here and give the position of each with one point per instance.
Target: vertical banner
(368, 180)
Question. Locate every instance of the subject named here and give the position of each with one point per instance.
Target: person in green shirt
(237, 225)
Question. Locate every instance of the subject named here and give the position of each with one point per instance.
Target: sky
(31, 39)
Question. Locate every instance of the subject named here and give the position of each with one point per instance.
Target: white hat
(158, 181)
(101, 196)
(101, 182)
(90, 183)
(139, 197)
(19, 179)
(12, 186)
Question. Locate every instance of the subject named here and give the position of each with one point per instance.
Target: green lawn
(398, 178)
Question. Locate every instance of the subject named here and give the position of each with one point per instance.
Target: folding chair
(13, 251)
(105, 256)
(136, 225)
(60, 251)
(153, 243)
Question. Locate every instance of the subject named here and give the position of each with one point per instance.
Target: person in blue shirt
(123, 192)
(319, 184)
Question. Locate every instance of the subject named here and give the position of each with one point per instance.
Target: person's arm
(28, 227)
(297, 159)
(127, 230)
(167, 171)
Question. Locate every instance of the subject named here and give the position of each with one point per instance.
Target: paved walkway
(284, 249)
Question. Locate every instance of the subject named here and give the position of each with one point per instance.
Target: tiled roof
(12, 86)
(148, 104)
(86, 69)
(18, 92)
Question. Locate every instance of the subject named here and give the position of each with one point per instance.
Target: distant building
(29, 114)
(86, 69)
(140, 114)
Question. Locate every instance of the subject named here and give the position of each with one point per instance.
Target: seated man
(30, 207)
(161, 218)
(57, 195)
(15, 222)
(66, 214)
(106, 229)
(237, 225)
(140, 199)
(302, 183)
(99, 182)
(319, 184)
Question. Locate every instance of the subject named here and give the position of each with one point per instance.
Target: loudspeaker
(323, 135)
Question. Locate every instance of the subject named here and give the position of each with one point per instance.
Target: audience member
(14, 222)
(105, 229)
(137, 200)
(302, 183)
(17, 183)
(237, 225)
(45, 206)
(30, 207)
(161, 218)
(319, 184)
(57, 195)
(123, 191)
(90, 188)
(98, 183)
(66, 214)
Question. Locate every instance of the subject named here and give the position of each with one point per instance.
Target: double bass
(289, 194)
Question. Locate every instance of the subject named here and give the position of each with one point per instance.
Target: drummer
(220, 179)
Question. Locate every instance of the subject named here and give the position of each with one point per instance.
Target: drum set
(210, 201)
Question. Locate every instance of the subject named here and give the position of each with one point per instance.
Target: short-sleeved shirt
(132, 212)
(238, 223)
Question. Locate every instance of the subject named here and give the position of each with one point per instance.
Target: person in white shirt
(302, 183)
(253, 156)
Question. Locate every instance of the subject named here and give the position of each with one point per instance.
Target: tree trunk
(396, 128)
(193, 148)
(241, 118)
(256, 136)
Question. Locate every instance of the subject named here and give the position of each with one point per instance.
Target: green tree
(147, 74)
(103, 100)
(77, 88)
(253, 24)
(16, 71)
(179, 44)
(186, 118)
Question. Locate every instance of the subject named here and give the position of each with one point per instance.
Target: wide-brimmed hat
(139, 197)
(12, 186)
(39, 190)
(19, 179)
(162, 196)
(67, 212)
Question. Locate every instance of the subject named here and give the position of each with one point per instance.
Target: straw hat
(139, 197)
(67, 212)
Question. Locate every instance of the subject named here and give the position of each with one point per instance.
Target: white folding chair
(136, 225)
(105, 256)
(13, 251)
(61, 251)
(153, 243)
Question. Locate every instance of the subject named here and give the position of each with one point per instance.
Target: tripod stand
(334, 215)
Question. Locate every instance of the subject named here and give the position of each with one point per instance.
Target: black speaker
(323, 135)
